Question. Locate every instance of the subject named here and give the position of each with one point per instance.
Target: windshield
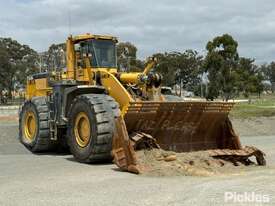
(103, 53)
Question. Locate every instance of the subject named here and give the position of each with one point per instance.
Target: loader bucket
(176, 126)
(184, 126)
(179, 127)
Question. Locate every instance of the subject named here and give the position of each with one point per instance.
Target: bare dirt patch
(258, 126)
(9, 118)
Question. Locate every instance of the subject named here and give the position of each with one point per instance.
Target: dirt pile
(158, 162)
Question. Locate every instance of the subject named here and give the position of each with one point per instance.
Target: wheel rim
(30, 126)
(82, 130)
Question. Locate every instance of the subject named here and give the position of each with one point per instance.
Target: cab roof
(87, 36)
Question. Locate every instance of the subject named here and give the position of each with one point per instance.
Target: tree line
(221, 72)
(16, 63)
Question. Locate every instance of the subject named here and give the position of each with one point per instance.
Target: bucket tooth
(122, 149)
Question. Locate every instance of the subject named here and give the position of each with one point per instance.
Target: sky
(152, 26)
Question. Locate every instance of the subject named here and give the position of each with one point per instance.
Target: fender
(63, 96)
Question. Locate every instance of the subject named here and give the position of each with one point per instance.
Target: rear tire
(91, 127)
(34, 132)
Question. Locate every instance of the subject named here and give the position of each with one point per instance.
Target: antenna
(70, 21)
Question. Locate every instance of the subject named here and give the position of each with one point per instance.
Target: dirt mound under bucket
(140, 153)
(157, 162)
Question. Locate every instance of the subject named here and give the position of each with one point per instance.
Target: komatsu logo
(167, 125)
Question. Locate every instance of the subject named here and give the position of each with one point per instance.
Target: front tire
(91, 127)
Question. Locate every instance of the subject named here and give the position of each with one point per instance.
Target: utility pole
(40, 65)
(201, 87)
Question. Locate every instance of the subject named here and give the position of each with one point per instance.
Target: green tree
(249, 77)
(127, 57)
(17, 62)
(180, 68)
(166, 66)
(220, 64)
(189, 68)
(5, 67)
(268, 71)
(55, 57)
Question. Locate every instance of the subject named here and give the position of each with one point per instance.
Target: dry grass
(257, 107)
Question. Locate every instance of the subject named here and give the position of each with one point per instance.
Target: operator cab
(101, 53)
(96, 52)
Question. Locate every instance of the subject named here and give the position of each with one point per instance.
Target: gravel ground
(56, 179)
(255, 126)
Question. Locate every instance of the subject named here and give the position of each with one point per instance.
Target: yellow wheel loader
(101, 113)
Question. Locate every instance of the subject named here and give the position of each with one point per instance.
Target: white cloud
(163, 25)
